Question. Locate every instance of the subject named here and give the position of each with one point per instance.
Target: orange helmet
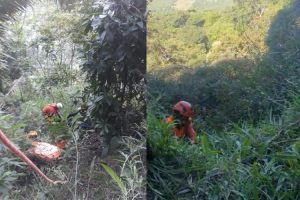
(183, 108)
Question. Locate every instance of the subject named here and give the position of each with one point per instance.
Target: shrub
(115, 64)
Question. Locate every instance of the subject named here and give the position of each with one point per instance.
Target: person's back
(51, 110)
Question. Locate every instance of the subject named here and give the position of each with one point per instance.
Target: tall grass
(246, 162)
(132, 178)
(25, 115)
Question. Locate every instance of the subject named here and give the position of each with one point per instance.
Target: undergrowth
(132, 178)
(246, 162)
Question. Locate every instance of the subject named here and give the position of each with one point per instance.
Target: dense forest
(239, 68)
(87, 58)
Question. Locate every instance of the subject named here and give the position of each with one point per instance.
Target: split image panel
(136, 99)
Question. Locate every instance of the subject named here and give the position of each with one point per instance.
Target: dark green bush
(180, 22)
(115, 61)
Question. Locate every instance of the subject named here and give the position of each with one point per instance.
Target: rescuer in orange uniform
(182, 119)
(51, 110)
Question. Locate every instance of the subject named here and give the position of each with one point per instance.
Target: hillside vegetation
(171, 5)
(239, 69)
(50, 52)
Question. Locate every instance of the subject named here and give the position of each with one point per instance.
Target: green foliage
(58, 29)
(189, 38)
(114, 61)
(57, 75)
(12, 55)
(170, 5)
(114, 176)
(8, 124)
(8, 175)
(213, 4)
(248, 162)
(181, 21)
(29, 100)
(230, 81)
(230, 34)
(227, 93)
(160, 134)
(57, 130)
(26, 116)
(161, 6)
(41, 42)
(43, 50)
(9, 167)
(132, 178)
(245, 151)
(283, 51)
(246, 10)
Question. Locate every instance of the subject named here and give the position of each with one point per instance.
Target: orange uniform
(50, 110)
(185, 130)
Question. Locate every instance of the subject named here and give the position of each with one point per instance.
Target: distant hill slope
(172, 5)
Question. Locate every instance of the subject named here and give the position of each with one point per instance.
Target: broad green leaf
(114, 176)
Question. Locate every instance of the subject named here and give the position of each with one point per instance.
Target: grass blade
(114, 176)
